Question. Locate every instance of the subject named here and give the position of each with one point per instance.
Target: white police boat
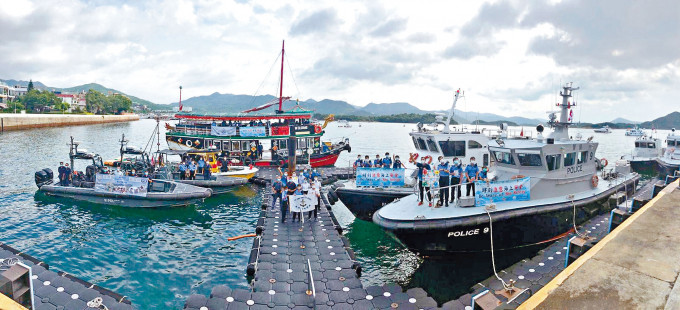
(542, 189)
(430, 142)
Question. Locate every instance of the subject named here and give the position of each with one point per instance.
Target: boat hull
(186, 195)
(666, 168)
(511, 228)
(363, 203)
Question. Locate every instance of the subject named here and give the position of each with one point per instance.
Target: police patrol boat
(645, 153)
(542, 189)
(258, 136)
(669, 162)
(430, 142)
(95, 186)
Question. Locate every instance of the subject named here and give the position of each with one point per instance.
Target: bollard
(657, 189)
(576, 246)
(638, 203)
(616, 218)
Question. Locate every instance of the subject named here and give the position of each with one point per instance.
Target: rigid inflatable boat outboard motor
(43, 177)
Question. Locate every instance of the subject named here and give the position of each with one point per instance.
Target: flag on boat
(521, 133)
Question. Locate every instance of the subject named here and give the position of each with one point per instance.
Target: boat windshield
(553, 161)
(453, 148)
(529, 160)
(504, 158)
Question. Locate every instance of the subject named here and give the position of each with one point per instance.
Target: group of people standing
(385, 162)
(305, 182)
(189, 168)
(451, 178)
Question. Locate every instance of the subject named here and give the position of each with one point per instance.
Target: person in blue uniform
(456, 172)
(377, 162)
(201, 165)
(387, 161)
(471, 171)
(443, 168)
(367, 162)
(315, 174)
(358, 163)
(297, 192)
(397, 163)
(277, 186)
(290, 191)
(423, 165)
(182, 170)
(483, 175)
(192, 170)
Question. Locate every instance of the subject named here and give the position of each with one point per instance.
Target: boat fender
(357, 266)
(259, 230)
(351, 254)
(594, 180)
(345, 241)
(250, 270)
(428, 158)
(413, 157)
(518, 176)
(604, 162)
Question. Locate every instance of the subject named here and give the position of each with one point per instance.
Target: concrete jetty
(9, 121)
(636, 266)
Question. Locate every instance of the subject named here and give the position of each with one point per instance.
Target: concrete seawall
(27, 121)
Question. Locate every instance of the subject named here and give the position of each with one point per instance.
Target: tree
(119, 104)
(30, 85)
(96, 102)
(36, 100)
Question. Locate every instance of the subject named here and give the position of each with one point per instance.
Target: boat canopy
(297, 114)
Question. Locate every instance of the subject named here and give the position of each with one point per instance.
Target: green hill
(669, 121)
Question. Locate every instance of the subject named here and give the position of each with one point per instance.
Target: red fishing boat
(256, 137)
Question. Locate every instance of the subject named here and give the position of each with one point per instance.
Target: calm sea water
(158, 257)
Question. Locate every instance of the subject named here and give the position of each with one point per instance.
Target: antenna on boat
(123, 142)
(283, 51)
(453, 106)
(561, 126)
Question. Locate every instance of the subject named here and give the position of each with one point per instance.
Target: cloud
(317, 22)
(467, 48)
(389, 27)
(421, 38)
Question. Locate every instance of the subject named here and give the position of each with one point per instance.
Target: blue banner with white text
(380, 177)
(501, 191)
(257, 131)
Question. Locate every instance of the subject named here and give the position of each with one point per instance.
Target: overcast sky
(508, 56)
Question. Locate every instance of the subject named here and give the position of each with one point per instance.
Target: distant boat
(604, 129)
(344, 124)
(636, 132)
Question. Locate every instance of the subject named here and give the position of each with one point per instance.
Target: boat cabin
(647, 147)
(461, 144)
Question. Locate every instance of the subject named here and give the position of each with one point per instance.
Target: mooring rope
(493, 258)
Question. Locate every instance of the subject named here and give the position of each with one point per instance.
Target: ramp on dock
(636, 266)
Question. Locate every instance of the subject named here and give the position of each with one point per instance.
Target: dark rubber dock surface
(59, 290)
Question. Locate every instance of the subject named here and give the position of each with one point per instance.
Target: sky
(509, 57)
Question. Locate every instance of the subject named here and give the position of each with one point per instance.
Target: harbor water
(159, 257)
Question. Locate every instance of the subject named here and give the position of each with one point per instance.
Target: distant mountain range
(229, 103)
(620, 120)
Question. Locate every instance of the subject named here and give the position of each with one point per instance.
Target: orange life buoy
(428, 158)
(317, 129)
(250, 166)
(594, 180)
(413, 157)
(604, 162)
